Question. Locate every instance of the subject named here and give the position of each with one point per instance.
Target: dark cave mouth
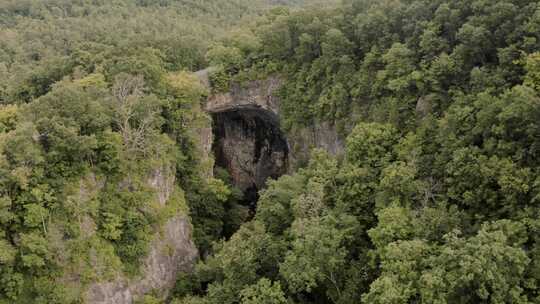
(250, 146)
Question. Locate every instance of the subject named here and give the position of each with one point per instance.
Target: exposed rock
(261, 94)
(423, 106)
(205, 140)
(204, 76)
(89, 188)
(321, 136)
(171, 251)
(162, 180)
(258, 93)
(250, 145)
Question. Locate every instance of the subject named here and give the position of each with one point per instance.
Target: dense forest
(435, 200)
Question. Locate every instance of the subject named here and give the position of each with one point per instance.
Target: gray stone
(171, 251)
(261, 94)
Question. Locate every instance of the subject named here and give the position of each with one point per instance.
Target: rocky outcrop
(254, 94)
(262, 95)
(320, 135)
(171, 251)
(250, 145)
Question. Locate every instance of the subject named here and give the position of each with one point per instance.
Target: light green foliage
(35, 216)
(398, 74)
(264, 292)
(485, 267)
(533, 71)
(220, 79)
(174, 35)
(148, 300)
(190, 300)
(371, 144)
(237, 264)
(185, 87)
(111, 226)
(8, 117)
(7, 252)
(305, 247)
(274, 206)
(398, 185)
(318, 254)
(93, 108)
(228, 57)
(243, 39)
(436, 198)
(35, 251)
(398, 53)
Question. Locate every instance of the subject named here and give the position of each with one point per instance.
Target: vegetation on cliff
(436, 199)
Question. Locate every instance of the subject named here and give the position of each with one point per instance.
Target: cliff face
(261, 95)
(171, 251)
(321, 135)
(250, 145)
(254, 94)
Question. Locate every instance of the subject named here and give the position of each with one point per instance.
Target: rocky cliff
(262, 95)
(253, 94)
(171, 251)
(250, 145)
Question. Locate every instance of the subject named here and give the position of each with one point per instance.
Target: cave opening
(250, 146)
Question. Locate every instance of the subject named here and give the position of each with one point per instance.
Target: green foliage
(318, 255)
(8, 118)
(371, 144)
(264, 292)
(147, 299)
(274, 205)
(230, 58)
(220, 79)
(35, 251)
(376, 60)
(96, 102)
(436, 199)
(532, 79)
(455, 271)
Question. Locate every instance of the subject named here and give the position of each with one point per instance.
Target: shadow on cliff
(249, 144)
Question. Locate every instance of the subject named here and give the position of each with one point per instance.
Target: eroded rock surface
(171, 251)
(258, 93)
(262, 94)
(251, 146)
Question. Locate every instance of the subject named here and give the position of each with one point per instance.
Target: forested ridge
(435, 200)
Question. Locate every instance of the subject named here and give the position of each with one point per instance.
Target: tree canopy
(435, 200)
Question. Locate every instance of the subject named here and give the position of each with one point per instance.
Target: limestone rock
(171, 251)
(261, 95)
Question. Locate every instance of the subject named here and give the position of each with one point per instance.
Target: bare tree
(136, 114)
